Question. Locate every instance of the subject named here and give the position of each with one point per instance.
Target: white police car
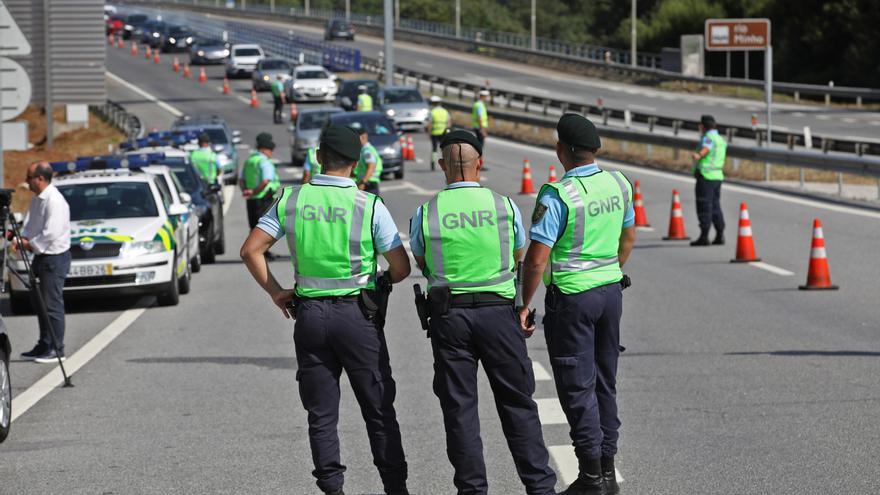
(128, 236)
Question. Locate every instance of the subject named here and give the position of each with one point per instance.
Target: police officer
(709, 170)
(364, 101)
(438, 124)
(335, 233)
(480, 118)
(310, 164)
(368, 172)
(277, 87)
(205, 160)
(583, 227)
(467, 241)
(259, 179)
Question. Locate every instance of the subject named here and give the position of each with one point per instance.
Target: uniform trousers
(332, 335)
(256, 208)
(709, 212)
(491, 334)
(583, 340)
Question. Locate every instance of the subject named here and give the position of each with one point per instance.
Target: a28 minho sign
(737, 34)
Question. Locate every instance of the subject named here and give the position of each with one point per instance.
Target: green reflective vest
(329, 231)
(253, 175)
(361, 168)
(711, 166)
(312, 164)
(365, 103)
(439, 121)
(277, 88)
(479, 116)
(469, 241)
(585, 256)
(205, 161)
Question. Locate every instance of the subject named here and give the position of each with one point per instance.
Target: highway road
(838, 122)
(733, 381)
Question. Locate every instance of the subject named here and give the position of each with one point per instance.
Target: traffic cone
(121, 43)
(225, 85)
(175, 65)
(818, 277)
(527, 186)
(639, 207)
(149, 53)
(410, 148)
(186, 71)
(156, 57)
(745, 244)
(552, 174)
(202, 77)
(111, 40)
(676, 220)
(134, 49)
(403, 151)
(254, 102)
(294, 112)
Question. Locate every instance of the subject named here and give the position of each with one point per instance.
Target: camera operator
(47, 234)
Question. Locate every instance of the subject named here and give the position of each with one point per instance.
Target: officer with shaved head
(467, 241)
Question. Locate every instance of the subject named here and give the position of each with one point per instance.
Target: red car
(115, 24)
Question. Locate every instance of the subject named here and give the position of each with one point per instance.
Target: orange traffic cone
(818, 277)
(403, 152)
(527, 186)
(120, 43)
(111, 40)
(745, 244)
(676, 221)
(225, 85)
(134, 49)
(149, 53)
(639, 207)
(294, 112)
(175, 65)
(411, 149)
(202, 77)
(186, 71)
(254, 102)
(156, 57)
(552, 174)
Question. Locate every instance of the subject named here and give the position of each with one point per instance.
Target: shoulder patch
(538, 214)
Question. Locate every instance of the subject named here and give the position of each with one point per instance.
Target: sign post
(743, 35)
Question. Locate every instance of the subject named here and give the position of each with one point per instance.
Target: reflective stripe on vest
(711, 166)
(479, 117)
(439, 121)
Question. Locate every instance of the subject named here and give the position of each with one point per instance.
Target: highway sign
(14, 41)
(15, 88)
(737, 34)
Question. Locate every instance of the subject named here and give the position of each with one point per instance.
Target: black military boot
(719, 240)
(703, 240)
(610, 476)
(336, 492)
(589, 481)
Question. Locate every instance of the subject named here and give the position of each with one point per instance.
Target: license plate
(90, 270)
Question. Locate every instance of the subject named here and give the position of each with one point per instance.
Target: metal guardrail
(113, 113)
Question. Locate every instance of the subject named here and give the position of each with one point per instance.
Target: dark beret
(577, 130)
(264, 140)
(343, 140)
(460, 136)
(707, 120)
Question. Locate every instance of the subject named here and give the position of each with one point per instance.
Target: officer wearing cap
(259, 179)
(310, 164)
(207, 162)
(467, 241)
(438, 124)
(583, 227)
(368, 172)
(709, 170)
(364, 101)
(335, 232)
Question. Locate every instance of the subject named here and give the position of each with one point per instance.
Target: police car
(128, 236)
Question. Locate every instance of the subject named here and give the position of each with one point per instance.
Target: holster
(292, 304)
(625, 282)
(374, 302)
(422, 308)
(439, 299)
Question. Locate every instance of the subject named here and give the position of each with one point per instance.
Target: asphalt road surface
(733, 381)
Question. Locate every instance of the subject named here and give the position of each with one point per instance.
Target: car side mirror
(236, 140)
(185, 198)
(178, 209)
(346, 101)
(215, 188)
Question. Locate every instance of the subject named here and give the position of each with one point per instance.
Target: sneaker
(38, 350)
(50, 357)
(587, 485)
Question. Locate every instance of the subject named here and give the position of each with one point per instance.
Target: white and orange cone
(254, 102)
(676, 220)
(186, 71)
(639, 207)
(156, 57)
(818, 276)
(203, 78)
(294, 112)
(134, 49)
(149, 53)
(552, 177)
(175, 65)
(745, 243)
(527, 186)
(225, 85)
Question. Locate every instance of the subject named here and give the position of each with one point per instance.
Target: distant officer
(259, 179)
(205, 160)
(364, 101)
(311, 166)
(583, 227)
(438, 125)
(480, 118)
(277, 88)
(709, 170)
(467, 241)
(334, 233)
(368, 172)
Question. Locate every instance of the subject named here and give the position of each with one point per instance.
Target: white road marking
(822, 117)
(550, 412)
(645, 229)
(849, 120)
(730, 187)
(424, 64)
(540, 372)
(243, 99)
(419, 160)
(772, 269)
(228, 195)
(874, 122)
(22, 402)
(567, 464)
(642, 107)
(157, 101)
(537, 90)
(798, 114)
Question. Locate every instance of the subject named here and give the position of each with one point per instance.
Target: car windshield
(350, 88)
(107, 200)
(340, 25)
(210, 44)
(312, 120)
(187, 177)
(274, 65)
(402, 96)
(136, 18)
(375, 126)
(217, 135)
(311, 74)
(247, 52)
(178, 29)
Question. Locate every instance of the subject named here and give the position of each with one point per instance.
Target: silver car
(208, 52)
(268, 70)
(405, 106)
(307, 131)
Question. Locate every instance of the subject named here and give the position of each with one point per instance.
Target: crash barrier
(115, 115)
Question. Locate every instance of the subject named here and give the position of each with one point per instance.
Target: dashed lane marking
(772, 269)
(161, 104)
(550, 412)
(645, 229)
(567, 464)
(424, 64)
(540, 372)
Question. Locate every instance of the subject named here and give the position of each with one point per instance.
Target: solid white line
(424, 64)
(243, 99)
(157, 101)
(537, 90)
(567, 464)
(728, 187)
(540, 372)
(550, 412)
(645, 229)
(772, 269)
(27, 399)
(228, 195)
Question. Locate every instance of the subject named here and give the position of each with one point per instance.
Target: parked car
(243, 59)
(114, 24)
(405, 106)
(152, 31)
(132, 23)
(175, 38)
(382, 134)
(346, 96)
(268, 70)
(311, 83)
(208, 51)
(223, 139)
(5, 383)
(339, 29)
(307, 131)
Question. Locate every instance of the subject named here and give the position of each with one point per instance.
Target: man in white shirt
(46, 233)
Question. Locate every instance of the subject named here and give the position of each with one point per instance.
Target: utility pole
(534, 44)
(458, 18)
(396, 13)
(389, 42)
(347, 10)
(632, 34)
(47, 80)
(768, 88)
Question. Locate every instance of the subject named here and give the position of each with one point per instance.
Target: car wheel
(184, 283)
(208, 256)
(20, 303)
(171, 295)
(5, 397)
(398, 174)
(220, 246)
(196, 263)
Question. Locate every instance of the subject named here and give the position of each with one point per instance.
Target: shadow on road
(272, 363)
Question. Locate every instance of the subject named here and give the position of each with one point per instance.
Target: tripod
(32, 283)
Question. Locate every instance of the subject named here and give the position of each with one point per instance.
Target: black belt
(478, 299)
(331, 298)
